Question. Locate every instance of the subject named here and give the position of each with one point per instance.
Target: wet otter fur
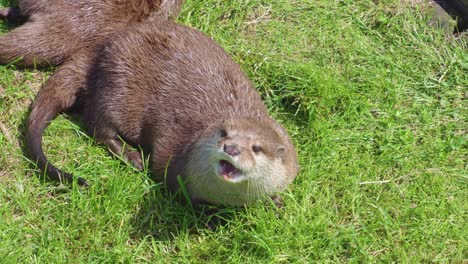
(176, 93)
(56, 29)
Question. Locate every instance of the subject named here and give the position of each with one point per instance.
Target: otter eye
(256, 149)
(223, 133)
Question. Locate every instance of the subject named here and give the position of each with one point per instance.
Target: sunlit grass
(374, 99)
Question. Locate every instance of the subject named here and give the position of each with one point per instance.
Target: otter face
(244, 160)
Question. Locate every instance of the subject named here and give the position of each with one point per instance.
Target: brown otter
(66, 31)
(175, 92)
(56, 29)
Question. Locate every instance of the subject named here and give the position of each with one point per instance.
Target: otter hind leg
(105, 133)
(107, 136)
(32, 44)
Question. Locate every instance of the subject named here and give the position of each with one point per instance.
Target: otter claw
(278, 201)
(83, 182)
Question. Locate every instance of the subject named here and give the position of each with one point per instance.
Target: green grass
(374, 99)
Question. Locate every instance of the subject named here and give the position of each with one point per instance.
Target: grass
(374, 99)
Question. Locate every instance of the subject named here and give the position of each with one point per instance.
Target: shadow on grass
(165, 216)
(161, 214)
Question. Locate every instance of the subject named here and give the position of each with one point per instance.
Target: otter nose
(231, 150)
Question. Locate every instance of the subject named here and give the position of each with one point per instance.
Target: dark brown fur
(56, 29)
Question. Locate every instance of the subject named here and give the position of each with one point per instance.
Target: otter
(56, 29)
(176, 93)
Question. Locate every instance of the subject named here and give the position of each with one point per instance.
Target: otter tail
(58, 94)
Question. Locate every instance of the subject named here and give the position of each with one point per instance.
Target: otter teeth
(229, 171)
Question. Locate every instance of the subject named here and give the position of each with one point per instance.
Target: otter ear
(281, 152)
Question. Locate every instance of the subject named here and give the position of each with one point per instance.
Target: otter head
(240, 161)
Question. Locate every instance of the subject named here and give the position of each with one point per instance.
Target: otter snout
(231, 150)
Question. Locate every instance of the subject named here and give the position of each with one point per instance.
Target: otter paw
(278, 201)
(134, 158)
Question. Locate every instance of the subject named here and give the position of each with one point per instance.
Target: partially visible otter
(175, 92)
(56, 29)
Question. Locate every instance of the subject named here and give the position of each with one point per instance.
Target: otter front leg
(120, 149)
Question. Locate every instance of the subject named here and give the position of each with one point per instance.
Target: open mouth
(229, 171)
